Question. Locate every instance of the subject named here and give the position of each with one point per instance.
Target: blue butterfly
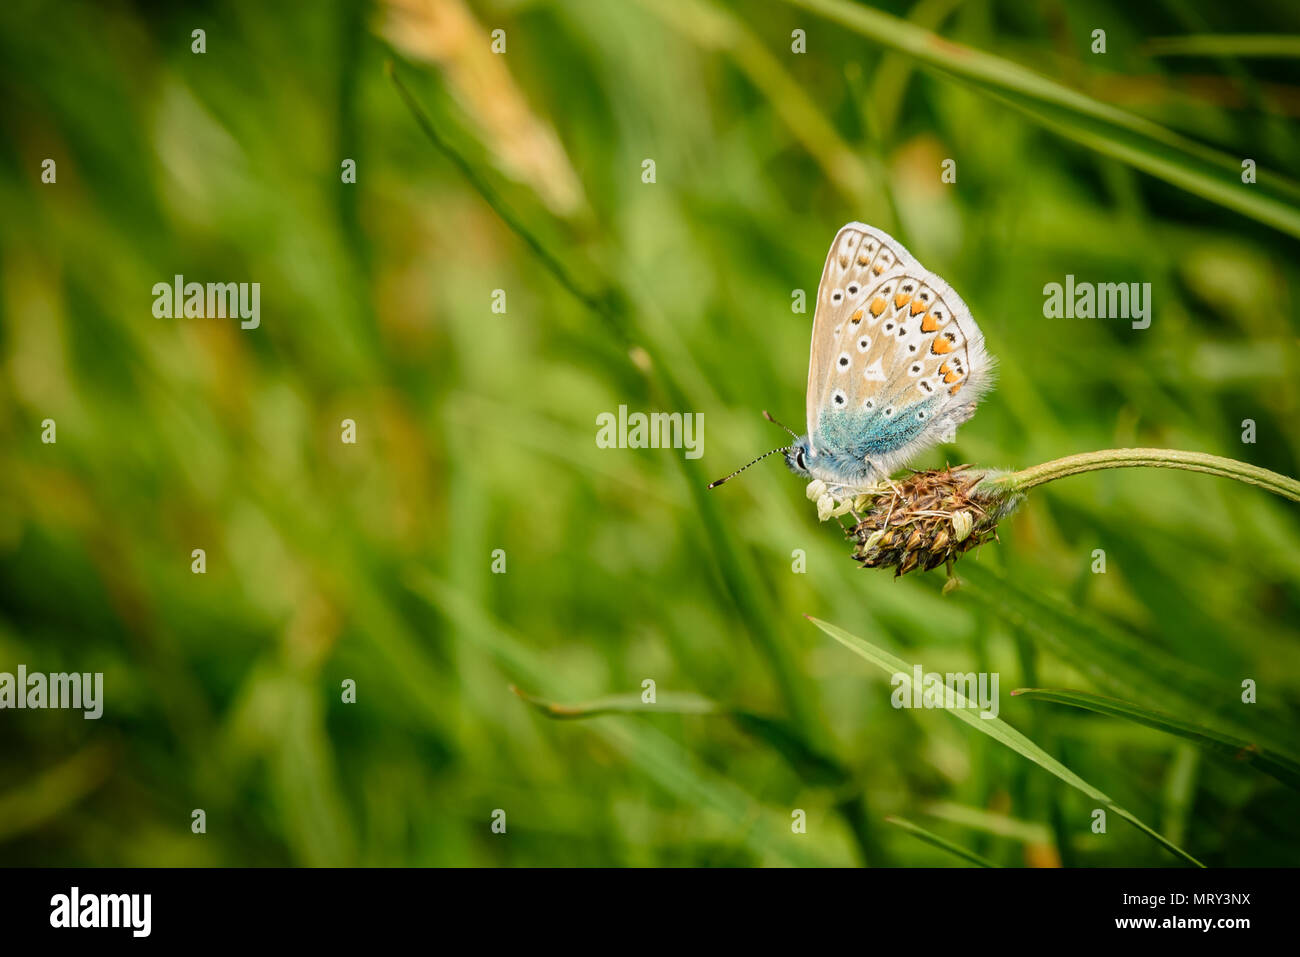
(897, 363)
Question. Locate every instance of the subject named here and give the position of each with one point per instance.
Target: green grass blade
(46, 795)
(1226, 44)
(1281, 767)
(1117, 660)
(940, 842)
(1150, 147)
(989, 822)
(662, 759)
(1000, 731)
(715, 27)
(669, 703)
(814, 767)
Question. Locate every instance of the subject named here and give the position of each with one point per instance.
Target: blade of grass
(53, 792)
(1180, 789)
(663, 760)
(714, 27)
(940, 842)
(669, 703)
(1278, 766)
(1163, 153)
(987, 822)
(1000, 731)
(1225, 44)
(813, 767)
(1118, 661)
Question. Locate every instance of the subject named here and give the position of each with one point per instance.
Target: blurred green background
(476, 430)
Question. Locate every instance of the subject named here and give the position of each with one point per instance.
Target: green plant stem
(1025, 479)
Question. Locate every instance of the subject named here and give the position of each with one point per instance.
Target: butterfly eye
(798, 460)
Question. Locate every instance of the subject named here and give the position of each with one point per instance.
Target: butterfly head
(798, 456)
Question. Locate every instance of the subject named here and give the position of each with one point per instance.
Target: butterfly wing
(859, 256)
(897, 360)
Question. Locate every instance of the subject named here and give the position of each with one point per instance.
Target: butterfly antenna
(728, 478)
(767, 415)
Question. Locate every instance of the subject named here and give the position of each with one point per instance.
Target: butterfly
(897, 364)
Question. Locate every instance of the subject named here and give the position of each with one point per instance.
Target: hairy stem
(1032, 477)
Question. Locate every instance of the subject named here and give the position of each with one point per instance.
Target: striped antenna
(743, 467)
(769, 418)
(767, 415)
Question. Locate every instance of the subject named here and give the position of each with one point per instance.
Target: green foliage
(373, 562)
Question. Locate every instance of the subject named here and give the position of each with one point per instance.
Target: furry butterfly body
(897, 364)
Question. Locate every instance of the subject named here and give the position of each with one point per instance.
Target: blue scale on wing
(850, 437)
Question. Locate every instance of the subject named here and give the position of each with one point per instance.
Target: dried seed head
(928, 519)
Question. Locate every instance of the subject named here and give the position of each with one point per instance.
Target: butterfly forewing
(897, 361)
(859, 257)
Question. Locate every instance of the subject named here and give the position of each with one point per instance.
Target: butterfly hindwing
(897, 360)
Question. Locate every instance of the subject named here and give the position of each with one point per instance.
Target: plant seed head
(928, 519)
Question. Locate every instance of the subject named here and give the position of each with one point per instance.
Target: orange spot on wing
(878, 268)
(953, 390)
(940, 346)
(863, 259)
(952, 377)
(901, 300)
(928, 324)
(917, 306)
(943, 369)
(857, 317)
(877, 306)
